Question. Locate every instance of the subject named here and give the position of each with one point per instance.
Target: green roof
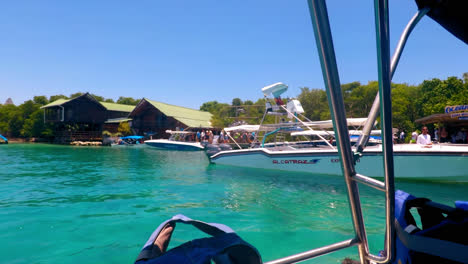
(188, 116)
(108, 106)
(56, 103)
(117, 120)
(118, 107)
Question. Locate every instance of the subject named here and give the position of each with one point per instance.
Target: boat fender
(441, 238)
(223, 247)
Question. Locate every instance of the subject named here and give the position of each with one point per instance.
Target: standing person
(460, 137)
(402, 136)
(436, 134)
(414, 136)
(209, 136)
(221, 137)
(443, 135)
(198, 136)
(202, 135)
(424, 139)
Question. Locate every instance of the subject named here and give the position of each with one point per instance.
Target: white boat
(179, 140)
(442, 161)
(448, 162)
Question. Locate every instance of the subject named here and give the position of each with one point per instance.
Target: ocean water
(63, 204)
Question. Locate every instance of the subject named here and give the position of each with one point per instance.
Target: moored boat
(129, 141)
(3, 140)
(179, 140)
(441, 162)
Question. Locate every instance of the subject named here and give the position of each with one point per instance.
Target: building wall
(151, 120)
(82, 110)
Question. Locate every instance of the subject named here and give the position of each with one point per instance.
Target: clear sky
(187, 52)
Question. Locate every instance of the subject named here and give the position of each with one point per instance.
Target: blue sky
(190, 52)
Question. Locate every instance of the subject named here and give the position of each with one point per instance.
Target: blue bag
(223, 247)
(443, 238)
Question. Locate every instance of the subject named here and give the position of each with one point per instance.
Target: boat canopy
(449, 14)
(353, 122)
(246, 128)
(132, 137)
(276, 89)
(179, 132)
(326, 133)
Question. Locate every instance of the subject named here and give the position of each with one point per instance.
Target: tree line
(409, 102)
(27, 119)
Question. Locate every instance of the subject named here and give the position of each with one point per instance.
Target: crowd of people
(441, 136)
(224, 137)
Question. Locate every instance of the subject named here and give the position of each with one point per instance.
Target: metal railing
(386, 69)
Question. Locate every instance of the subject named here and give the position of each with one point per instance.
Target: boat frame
(386, 68)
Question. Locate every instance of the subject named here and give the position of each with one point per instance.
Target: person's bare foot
(164, 237)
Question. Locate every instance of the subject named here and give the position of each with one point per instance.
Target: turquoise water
(63, 204)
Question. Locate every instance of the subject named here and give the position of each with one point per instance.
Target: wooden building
(83, 117)
(152, 117)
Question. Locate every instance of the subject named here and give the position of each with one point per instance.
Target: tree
(404, 106)
(212, 106)
(99, 98)
(127, 100)
(76, 94)
(314, 102)
(436, 94)
(124, 128)
(347, 91)
(236, 102)
(40, 100)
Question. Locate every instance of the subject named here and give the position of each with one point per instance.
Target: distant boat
(129, 141)
(5, 140)
(179, 140)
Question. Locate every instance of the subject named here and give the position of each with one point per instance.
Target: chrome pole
(314, 252)
(323, 38)
(383, 61)
(374, 112)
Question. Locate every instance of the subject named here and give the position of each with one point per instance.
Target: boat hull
(410, 162)
(174, 145)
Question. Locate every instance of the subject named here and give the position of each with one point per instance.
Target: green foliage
(124, 128)
(40, 100)
(408, 104)
(106, 133)
(236, 102)
(127, 100)
(76, 95)
(54, 98)
(315, 104)
(437, 94)
(405, 109)
(212, 106)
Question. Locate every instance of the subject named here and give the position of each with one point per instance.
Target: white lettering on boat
(296, 161)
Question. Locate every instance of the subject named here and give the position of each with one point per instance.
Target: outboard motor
(225, 146)
(212, 149)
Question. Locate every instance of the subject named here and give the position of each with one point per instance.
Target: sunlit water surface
(63, 204)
